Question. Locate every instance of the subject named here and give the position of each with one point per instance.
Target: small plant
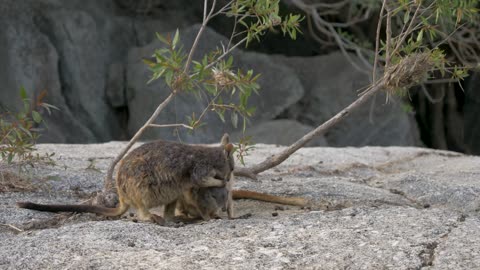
(11, 182)
(92, 165)
(19, 131)
(243, 147)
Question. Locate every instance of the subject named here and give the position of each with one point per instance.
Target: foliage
(19, 131)
(447, 29)
(431, 23)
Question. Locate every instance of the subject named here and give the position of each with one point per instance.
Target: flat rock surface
(371, 208)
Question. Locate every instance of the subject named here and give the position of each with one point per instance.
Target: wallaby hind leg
(169, 211)
(145, 215)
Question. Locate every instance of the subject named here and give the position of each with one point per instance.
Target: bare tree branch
(389, 36)
(170, 125)
(377, 41)
(199, 34)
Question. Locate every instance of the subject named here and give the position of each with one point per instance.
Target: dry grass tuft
(14, 182)
(410, 71)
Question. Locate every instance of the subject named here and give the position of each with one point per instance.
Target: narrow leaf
(234, 118)
(23, 93)
(406, 17)
(10, 158)
(175, 39)
(148, 62)
(161, 38)
(420, 36)
(36, 117)
(220, 115)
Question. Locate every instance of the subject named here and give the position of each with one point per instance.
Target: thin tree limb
(377, 42)
(225, 53)
(389, 37)
(197, 38)
(170, 125)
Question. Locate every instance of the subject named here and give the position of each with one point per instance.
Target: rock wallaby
(159, 173)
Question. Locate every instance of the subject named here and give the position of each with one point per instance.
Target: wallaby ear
(225, 140)
(229, 149)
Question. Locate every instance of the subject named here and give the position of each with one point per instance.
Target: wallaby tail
(80, 208)
(247, 194)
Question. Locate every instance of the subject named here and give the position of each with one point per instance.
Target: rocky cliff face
(87, 56)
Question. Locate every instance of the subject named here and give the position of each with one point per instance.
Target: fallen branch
(12, 227)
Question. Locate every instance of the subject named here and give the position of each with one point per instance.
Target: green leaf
(169, 77)
(293, 34)
(175, 39)
(197, 66)
(26, 131)
(23, 93)
(19, 135)
(407, 108)
(250, 111)
(406, 17)
(234, 118)
(26, 105)
(220, 115)
(229, 62)
(243, 23)
(420, 36)
(10, 158)
(36, 117)
(161, 38)
(210, 89)
(148, 62)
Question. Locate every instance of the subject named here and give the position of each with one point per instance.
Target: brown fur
(158, 173)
